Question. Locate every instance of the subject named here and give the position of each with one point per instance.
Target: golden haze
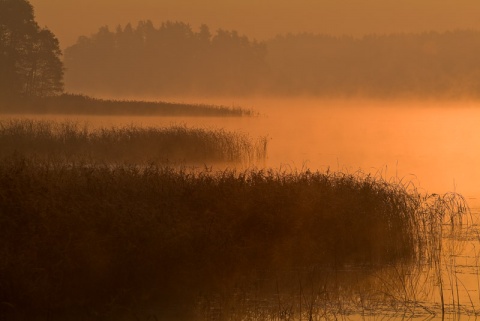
(262, 19)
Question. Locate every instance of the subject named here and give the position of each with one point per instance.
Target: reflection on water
(434, 145)
(445, 289)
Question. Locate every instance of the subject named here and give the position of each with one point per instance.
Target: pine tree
(30, 64)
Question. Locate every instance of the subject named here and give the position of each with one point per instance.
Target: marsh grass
(99, 242)
(72, 104)
(73, 141)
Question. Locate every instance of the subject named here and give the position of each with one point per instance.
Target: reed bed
(73, 104)
(73, 141)
(109, 242)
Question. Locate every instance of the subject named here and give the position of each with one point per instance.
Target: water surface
(433, 144)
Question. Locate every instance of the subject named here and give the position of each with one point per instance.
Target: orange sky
(261, 19)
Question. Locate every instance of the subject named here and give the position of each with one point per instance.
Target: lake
(433, 145)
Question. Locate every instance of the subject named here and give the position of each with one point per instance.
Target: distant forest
(174, 59)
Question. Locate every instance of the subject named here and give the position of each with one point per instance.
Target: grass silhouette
(84, 105)
(72, 141)
(81, 241)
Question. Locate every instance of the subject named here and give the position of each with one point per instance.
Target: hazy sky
(261, 19)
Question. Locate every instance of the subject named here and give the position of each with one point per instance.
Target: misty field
(119, 242)
(73, 141)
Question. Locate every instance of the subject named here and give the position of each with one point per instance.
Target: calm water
(434, 145)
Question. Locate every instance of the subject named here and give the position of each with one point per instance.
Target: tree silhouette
(428, 64)
(173, 59)
(170, 59)
(30, 64)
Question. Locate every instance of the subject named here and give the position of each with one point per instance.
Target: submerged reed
(73, 141)
(82, 241)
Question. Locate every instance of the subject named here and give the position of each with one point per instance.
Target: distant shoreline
(68, 104)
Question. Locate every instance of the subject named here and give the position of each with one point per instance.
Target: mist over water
(429, 143)
(113, 201)
(432, 144)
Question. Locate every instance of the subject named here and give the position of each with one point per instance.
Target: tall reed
(83, 241)
(74, 141)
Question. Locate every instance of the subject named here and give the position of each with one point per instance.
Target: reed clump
(85, 241)
(73, 141)
(74, 104)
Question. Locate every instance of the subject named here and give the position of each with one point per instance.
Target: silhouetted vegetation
(31, 72)
(427, 64)
(30, 62)
(74, 142)
(101, 242)
(173, 59)
(101, 223)
(70, 104)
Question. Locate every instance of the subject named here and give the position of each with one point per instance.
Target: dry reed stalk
(91, 239)
(76, 142)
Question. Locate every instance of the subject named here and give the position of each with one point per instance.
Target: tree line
(175, 59)
(30, 57)
(423, 64)
(171, 59)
